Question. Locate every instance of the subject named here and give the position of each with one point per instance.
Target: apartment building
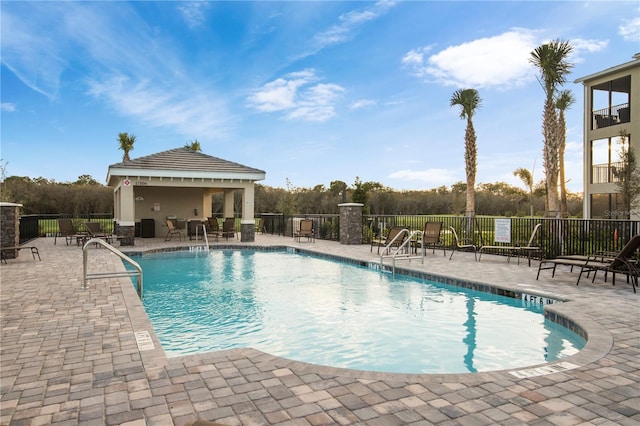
(611, 108)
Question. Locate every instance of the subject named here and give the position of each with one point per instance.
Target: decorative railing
(46, 225)
(556, 236)
(611, 116)
(606, 173)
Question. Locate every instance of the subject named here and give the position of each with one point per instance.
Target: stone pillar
(350, 223)
(248, 231)
(10, 228)
(126, 235)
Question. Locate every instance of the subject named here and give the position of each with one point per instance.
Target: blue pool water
(333, 313)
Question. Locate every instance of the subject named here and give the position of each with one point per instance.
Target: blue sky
(307, 91)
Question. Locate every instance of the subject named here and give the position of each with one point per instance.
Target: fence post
(10, 228)
(351, 223)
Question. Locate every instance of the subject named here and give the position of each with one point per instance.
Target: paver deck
(70, 356)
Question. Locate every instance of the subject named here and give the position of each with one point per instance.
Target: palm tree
(126, 142)
(469, 101)
(551, 61)
(193, 146)
(527, 178)
(564, 100)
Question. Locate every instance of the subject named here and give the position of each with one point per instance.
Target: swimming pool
(311, 309)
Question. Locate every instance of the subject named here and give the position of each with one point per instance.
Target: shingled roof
(184, 162)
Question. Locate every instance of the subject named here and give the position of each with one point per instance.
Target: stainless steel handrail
(405, 243)
(204, 235)
(97, 275)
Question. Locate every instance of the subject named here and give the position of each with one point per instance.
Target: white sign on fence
(503, 230)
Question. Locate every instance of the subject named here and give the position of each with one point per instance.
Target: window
(610, 103)
(608, 206)
(605, 159)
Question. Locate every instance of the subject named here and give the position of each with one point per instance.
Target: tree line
(45, 196)
(495, 199)
(86, 195)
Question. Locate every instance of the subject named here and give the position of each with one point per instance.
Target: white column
(227, 208)
(127, 204)
(248, 204)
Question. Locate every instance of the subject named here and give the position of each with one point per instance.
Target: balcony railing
(605, 173)
(606, 117)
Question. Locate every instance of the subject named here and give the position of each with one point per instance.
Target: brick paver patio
(70, 356)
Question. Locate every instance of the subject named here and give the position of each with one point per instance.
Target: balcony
(606, 117)
(605, 173)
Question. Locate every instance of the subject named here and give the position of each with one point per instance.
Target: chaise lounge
(94, 229)
(67, 230)
(624, 262)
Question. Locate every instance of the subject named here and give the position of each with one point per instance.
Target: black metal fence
(327, 226)
(556, 236)
(46, 225)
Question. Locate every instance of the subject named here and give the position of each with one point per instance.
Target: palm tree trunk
(470, 157)
(550, 130)
(564, 208)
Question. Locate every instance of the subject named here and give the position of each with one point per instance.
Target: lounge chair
(173, 231)
(394, 238)
(262, 227)
(624, 262)
(94, 229)
(305, 231)
(33, 249)
(530, 249)
(431, 237)
(461, 246)
(68, 231)
(213, 228)
(229, 228)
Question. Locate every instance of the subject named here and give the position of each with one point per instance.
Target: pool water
(332, 313)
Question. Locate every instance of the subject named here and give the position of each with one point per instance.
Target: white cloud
(7, 106)
(32, 55)
(501, 60)
(363, 103)
(431, 177)
(125, 64)
(193, 12)
(581, 46)
(415, 58)
(349, 23)
(630, 29)
(299, 95)
(191, 111)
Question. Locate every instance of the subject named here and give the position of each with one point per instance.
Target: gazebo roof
(183, 163)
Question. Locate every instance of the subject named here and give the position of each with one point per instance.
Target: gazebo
(178, 184)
